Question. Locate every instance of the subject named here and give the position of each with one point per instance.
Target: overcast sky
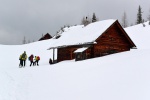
(32, 18)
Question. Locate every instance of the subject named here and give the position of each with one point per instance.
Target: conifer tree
(94, 19)
(139, 16)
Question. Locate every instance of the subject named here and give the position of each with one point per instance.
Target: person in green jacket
(23, 58)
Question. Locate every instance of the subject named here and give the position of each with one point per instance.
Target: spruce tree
(139, 15)
(94, 19)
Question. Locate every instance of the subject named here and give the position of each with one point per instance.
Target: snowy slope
(140, 35)
(122, 76)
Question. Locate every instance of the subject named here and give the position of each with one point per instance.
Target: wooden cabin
(112, 40)
(45, 37)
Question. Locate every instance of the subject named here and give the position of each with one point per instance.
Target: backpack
(38, 57)
(23, 56)
(29, 58)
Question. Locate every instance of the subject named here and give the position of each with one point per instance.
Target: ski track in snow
(14, 85)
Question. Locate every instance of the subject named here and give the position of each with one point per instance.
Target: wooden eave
(77, 45)
(126, 35)
(129, 39)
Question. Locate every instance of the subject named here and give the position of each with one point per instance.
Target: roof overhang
(80, 44)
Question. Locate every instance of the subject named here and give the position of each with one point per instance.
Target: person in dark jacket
(31, 60)
(50, 61)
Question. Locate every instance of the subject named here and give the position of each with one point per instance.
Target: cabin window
(78, 56)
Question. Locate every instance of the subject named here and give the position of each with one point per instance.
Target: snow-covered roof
(77, 35)
(80, 50)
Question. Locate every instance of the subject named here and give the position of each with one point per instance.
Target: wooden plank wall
(112, 40)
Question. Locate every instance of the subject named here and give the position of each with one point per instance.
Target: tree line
(87, 20)
(139, 18)
(124, 22)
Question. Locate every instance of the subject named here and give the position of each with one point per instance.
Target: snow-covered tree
(85, 21)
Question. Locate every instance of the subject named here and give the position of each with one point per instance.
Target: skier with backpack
(23, 58)
(37, 58)
(21, 62)
(31, 60)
